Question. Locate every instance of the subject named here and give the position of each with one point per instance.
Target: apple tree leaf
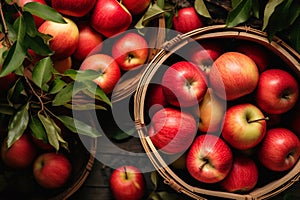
(43, 11)
(234, 3)
(42, 73)
(64, 95)
(154, 179)
(56, 85)
(31, 29)
(153, 11)
(269, 9)
(295, 35)
(201, 8)
(37, 129)
(97, 92)
(239, 14)
(38, 45)
(255, 8)
(18, 125)
(77, 126)
(82, 75)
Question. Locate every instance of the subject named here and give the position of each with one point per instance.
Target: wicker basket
(175, 179)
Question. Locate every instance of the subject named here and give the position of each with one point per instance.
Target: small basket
(175, 179)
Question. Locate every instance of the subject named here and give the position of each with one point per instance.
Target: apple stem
(125, 170)
(202, 164)
(257, 120)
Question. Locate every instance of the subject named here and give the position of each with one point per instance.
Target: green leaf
(18, 125)
(82, 75)
(269, 9)
(50, 130)
(295, 35)
(239, 14)
(20, 28)
(31, 29)
(153, 12)
(201, 8)
(255, 8)
(6, 109)
(97, 91)
(160, 3)
(121, 135)
(154, 179)
(77, 126)
(16, 92)
(64, 95)
(37, 129)
(42, 72)
(234, 3)
(57, 85)
(44, 11)
(38, 45)
(85, 106)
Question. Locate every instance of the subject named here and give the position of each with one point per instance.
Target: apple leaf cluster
(35, 99)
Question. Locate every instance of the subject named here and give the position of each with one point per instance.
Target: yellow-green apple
(155, 99)
(21, 154)
(184, 84)
(89, 39)
(52, 170)
(127, 182)
(74, 8)
(256, 52)
(280, 149)
(63, 64)
(130, 51)
(204, 54)
(244, 126)
(109, 17)
(38, 21)
(277, 91)
(242, 177)
(233, 75)
(107, 66)
(172, 130)
(136, 7)
(209, 159)
(211, 112)
(187, 19)
(65, 37)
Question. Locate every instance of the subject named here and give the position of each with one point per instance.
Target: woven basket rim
(278, 46)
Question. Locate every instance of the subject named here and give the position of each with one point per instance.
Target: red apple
(42, 143)
(244, 126)
(256, 52)
(204, 54)
(233, 75)
(155, 99)
(62, 65)
(277, 91)
(109, 17)
(65, 37)
(172, 131)
(130, 51)
(52, 170)
(187, 19)
(211, 112)
(184, 84)
(127, 182)
(280, 149)
(110, 71)
(89, 39)
(74, 8)
(38, 21)
(136, 7)
(209, 159)
(21, 154)
(242, 177)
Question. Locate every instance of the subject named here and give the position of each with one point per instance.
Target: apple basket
(269, 183)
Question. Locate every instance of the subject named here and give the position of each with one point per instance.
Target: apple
(155, 99)
(256, 52)
(42, 143)
(52, 170)
(204, 54)
(277, 91)
(109, 68)
(74, 8)
(127, 182)
(242, 177)
(89, 39)
(244, 126)
(62, 65)
(233, 75)
(130, 51)
(109, 17)
(65, 37)
(38, 21)
(21, 154)
(209, 159)
(136, 7)
(172, 131)
(211, 112)
(187, 19)
(184, 84)
(280, 149)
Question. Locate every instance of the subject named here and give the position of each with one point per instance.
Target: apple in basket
(127, 182)
(209, 159)
(74, 8)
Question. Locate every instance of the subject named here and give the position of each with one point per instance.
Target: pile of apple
(224, 110)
